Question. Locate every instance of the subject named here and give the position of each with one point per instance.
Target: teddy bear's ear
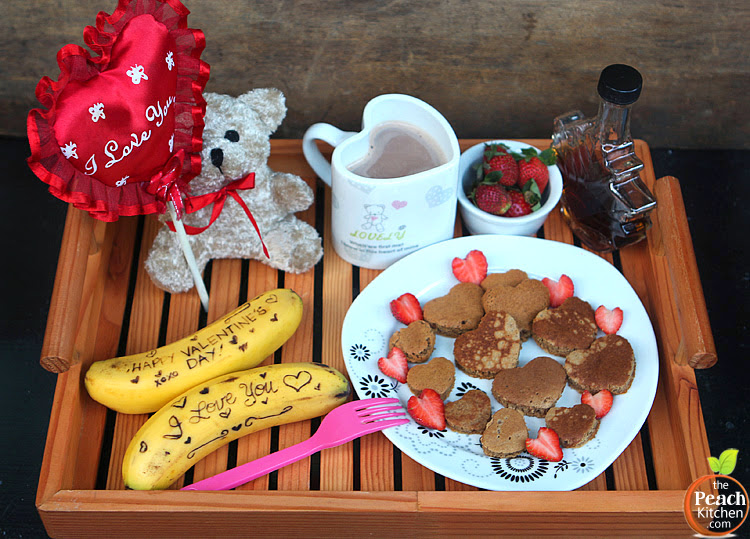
(268, 104)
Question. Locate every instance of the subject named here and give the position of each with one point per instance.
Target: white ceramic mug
(375, 222)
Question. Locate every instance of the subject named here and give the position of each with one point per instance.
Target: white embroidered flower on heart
(171, 143)
(123, 181)
(170, 60)
(97, 112)
(136, 74)
(69, 150)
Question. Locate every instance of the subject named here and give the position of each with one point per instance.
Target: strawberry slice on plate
(406, 308)
(546, 445)
(609, 321)
(560, 290)
(394, 364)
(472, 269)
(600, 401)
(427, 409)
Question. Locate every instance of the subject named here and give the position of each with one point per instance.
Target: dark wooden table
(714, 183)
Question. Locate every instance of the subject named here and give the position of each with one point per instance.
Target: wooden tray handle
(697, 347)
(62, 321)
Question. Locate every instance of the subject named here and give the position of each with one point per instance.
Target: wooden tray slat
(258, 444)
(349, 499)
(336, 463)
(143, 334)
(299, 348)
(376, 451)
(224, 297)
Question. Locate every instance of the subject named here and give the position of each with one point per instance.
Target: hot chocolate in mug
(378, 220)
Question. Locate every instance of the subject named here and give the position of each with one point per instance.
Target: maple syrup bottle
(604, 201)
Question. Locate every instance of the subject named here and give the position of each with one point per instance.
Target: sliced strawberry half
(406, 308)
(546, 445)
(472, 269)
(601, 401)
(427, 409)
(560, 290)
(394, 364)
(608, 321)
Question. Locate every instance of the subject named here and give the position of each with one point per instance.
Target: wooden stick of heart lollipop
(200, 286)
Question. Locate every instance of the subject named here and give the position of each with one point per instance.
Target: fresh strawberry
(428, 409)
(472, 269)
(499, 165)
(519, 205)
(533, 165)
(394, 364)
(546, 445)
(533, 169)
(560, 290)
(491, 197)
(406, 308)
(601, 401)
(608, 321)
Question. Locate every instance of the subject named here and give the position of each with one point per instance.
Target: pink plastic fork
(340, 425)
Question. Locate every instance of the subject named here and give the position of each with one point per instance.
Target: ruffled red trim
(47, 161)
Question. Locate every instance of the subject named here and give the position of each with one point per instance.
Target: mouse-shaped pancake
(416, 341)
(470, 413)
(505, 434)
(532, 389)
(574, 426)
(457, 312)
(438, 374)
(523, 302)
(560, 330)
(608, 363)
(493, 346)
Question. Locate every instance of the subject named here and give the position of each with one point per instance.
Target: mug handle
(327, 133)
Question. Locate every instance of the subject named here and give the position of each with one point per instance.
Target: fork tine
(374, 426)
(377, 410)
(378, 418)
(367, 403)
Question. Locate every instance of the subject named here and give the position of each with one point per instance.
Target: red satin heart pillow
(115, 123)
(118, 125)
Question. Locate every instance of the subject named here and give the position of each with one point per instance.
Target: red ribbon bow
(167, 185)
(217, 198)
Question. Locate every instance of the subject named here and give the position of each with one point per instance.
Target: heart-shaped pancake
(492, 347)
(532, 389)
(560, 330)
(505, 434)
(417, 340)
(523, 302)
(457, 312)
(470, 413)
(438, 374)
(574, 426)
(608, 363)
(508, 278)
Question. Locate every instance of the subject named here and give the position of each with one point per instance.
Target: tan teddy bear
(235, 143)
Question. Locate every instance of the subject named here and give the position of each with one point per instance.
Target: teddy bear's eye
(232, 136)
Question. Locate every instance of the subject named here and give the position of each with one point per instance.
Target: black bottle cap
(620, 84)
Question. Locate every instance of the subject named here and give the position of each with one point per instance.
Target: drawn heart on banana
(297, 381)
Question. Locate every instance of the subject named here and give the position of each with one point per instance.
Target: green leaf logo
(726, 462)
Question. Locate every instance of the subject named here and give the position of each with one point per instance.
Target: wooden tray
(104, 304)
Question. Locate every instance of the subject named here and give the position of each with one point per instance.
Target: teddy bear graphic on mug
(374, 217)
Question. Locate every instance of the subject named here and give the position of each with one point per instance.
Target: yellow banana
(213, 414)
(143, 383)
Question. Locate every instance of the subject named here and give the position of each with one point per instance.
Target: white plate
(427, 274)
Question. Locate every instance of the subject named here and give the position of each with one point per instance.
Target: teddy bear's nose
(217, 157)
